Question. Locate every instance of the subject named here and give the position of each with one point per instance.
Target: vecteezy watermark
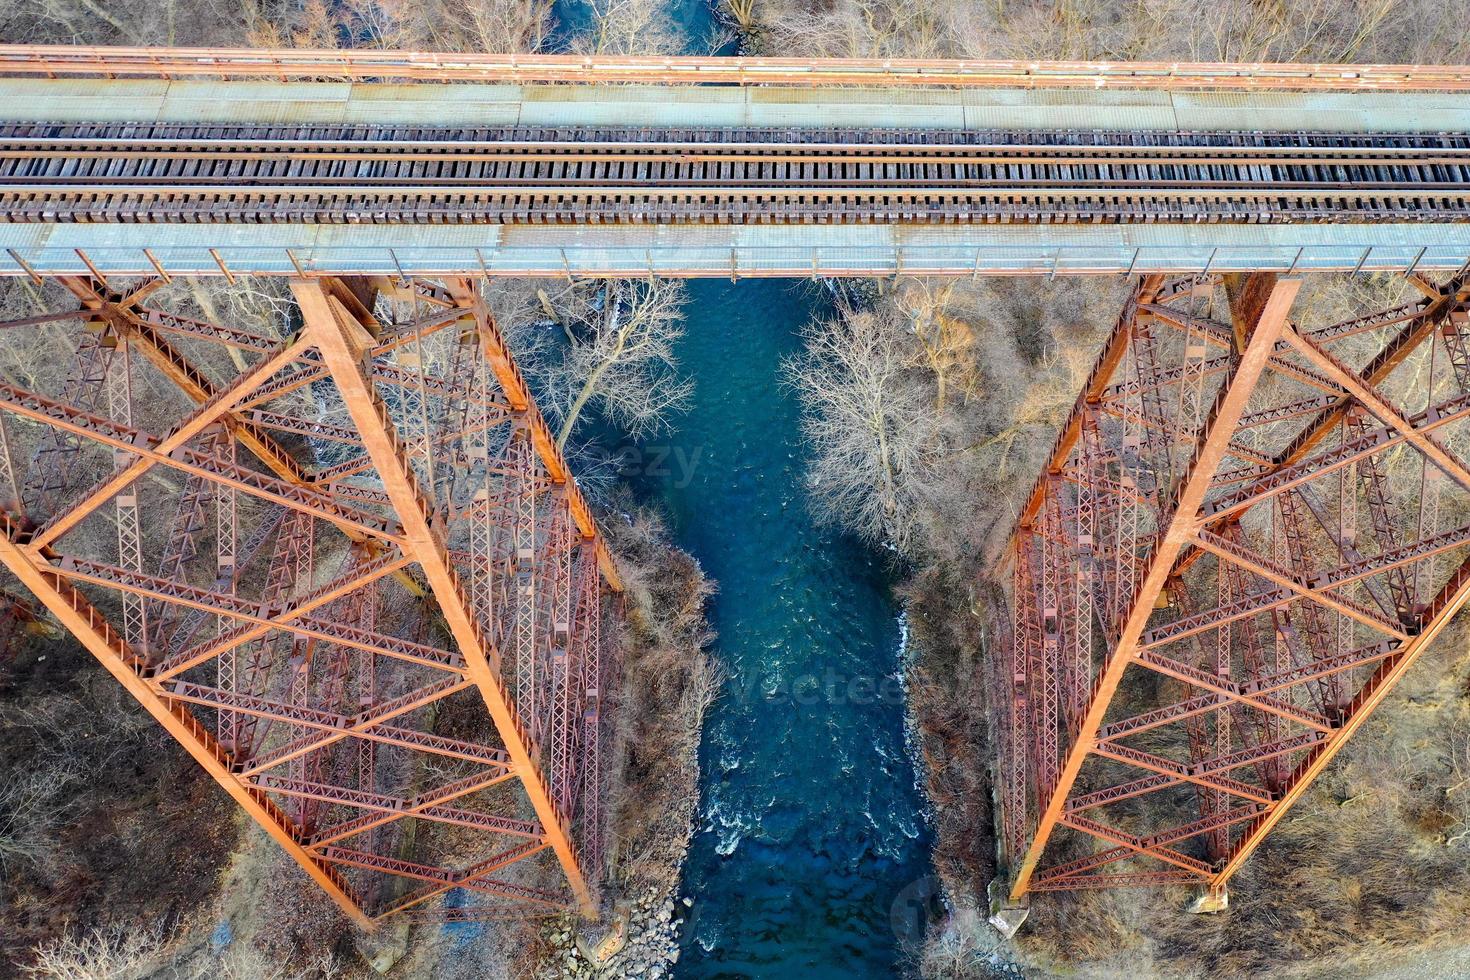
(674, 463)
(829, 687)
(914, 905)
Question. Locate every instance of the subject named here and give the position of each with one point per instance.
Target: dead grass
(668, 680)
(110, 812)
(1419, 31)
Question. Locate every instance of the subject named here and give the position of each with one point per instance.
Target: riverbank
(668, 682)
(994, 366)
(1373, 857)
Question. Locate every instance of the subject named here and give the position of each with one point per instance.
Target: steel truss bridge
(403, 164)
(346, 566)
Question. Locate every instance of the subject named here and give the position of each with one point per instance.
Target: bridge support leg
(342, 675)
(343, 342)
(1218, 576)
(1006, 914)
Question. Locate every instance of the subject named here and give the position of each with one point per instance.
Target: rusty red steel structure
(54, 61)
(346, 567)
(1248, 530)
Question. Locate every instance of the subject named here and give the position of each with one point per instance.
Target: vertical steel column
(1181, 513)
(343, 343)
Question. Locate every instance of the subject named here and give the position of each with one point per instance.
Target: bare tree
(495, 25)
(441, 25)
(1424, 31)
(619, 357)
(100, 954)
(31, 805)
(874, 440)
(742, 12)
(945, 341)
(134, 951)
(170, 22)
(629, 27)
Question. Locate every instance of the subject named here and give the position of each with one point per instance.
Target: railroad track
(527, 175)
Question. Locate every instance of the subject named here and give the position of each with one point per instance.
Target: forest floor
(99, 810)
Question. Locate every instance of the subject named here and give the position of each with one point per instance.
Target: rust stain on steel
(287, 680)
(432, 66)
(1264, 561)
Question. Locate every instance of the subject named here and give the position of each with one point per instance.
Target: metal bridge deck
(135, 198)
(383, 103)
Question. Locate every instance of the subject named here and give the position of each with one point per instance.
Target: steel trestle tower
(349, 572)
(1247, 532)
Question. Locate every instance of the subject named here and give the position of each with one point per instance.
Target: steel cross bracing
(345, 566)
(1247, 532)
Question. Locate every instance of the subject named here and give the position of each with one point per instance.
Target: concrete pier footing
(1006, 916)
(1210, 901)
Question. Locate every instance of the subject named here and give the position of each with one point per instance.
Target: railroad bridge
(346, 566)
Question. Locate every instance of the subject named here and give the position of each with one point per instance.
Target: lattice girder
(305, 542)
(1262, 537)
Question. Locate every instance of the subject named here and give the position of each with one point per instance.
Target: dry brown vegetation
(422, 25)
(926, 397)
(98, 810)
(101, 810)
(1423, 31)
(1373, 859)
(668, 680)
(618, 358)
(874, 444)
(441, 25)
(629, 27)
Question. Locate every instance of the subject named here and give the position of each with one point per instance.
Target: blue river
(810, 857)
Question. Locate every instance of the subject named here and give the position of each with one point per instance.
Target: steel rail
(280, 174)
(698, 151)
(1066, 148)
(681, 157)
(63, 61)
(479, 192)
(815, 187)
(802, 182)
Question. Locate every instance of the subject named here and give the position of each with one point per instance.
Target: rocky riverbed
(650, 950)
